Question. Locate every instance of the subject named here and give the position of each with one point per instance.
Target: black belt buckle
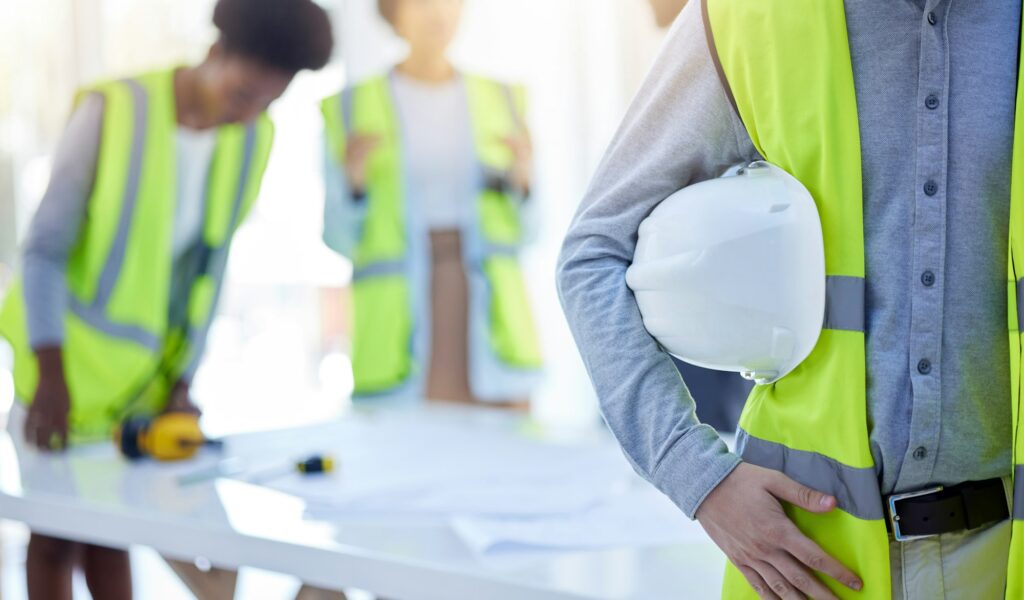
(894, 515)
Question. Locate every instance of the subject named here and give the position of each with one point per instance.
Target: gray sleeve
(679, 130)
(57, 224)
(344, 215)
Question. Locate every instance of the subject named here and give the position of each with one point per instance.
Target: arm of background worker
(530, 218)
(679, 130)
(522, 191)
(57, 224)
(343, 214)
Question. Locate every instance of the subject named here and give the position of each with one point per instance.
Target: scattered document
(500, 490)
(643, 517)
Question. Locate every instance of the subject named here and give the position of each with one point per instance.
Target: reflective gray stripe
(218, 257)
(855, 489)
(346, 109)
(94, 317)
(380, 269)
(1020, 305)
(196, 335)
(1018, 493)
(510, 98)
(494, 175)
(844, 303)
(243, 178)
(94, 314)
(115, 259)
(492, 249)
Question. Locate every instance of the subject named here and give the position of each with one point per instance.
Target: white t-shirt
(439, 149)
(194, 153)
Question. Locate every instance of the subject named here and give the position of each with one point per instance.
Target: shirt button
(928, 278)
(924, 367)
(920, 453)
(932, 18)
(931, 188)
(932, 102)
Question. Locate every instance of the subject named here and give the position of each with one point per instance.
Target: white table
(92, 495)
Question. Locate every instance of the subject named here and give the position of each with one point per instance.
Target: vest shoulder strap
(787, 66)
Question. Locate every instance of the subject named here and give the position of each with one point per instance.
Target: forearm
(643, 399)
(344, 209)
(46, 300)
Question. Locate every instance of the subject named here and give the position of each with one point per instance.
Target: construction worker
(428, 176)
(125, 258)
(900, 119)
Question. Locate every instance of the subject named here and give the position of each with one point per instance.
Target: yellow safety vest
(383, 323)
(786, 65)
(119, 351)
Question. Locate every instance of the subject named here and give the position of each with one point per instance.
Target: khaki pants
(969, 565)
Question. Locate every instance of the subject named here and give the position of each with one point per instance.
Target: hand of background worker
(357, 151)
(180, 400)
(46, 425)
(521, 173)
(744, 517)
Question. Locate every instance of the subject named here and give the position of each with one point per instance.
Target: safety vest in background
(383, 357)
(120, 352)
(787, 67)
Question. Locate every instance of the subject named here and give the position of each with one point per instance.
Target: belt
(937, 510)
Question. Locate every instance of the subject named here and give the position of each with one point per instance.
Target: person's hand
(357, 153)
(46, 425)
(744, 517)
(180, 400)
(521, 173)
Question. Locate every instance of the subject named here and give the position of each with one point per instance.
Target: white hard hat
(729, 274)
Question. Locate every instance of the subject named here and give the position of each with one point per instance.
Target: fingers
(28, 429)
(801, 578)
(800, 495)
(58, 440)
(776, 582)
(757, 582)
(362, 144)
(44, 435)
(36, 433)
(181, 403)
(520, 145)
(759, 538)
(810, 554)
(799, 545)
(40, 437)
(185, 409)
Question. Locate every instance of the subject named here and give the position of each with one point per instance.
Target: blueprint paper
(642, 517)
(405, 467)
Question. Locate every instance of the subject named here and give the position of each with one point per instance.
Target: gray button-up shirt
(936, 86)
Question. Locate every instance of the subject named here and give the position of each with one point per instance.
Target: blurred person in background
(666, 11)
(428, 175)
(126, 256)
(722, 394)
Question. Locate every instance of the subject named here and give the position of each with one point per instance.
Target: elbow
(563, 275)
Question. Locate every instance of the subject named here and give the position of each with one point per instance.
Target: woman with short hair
(126, 255)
